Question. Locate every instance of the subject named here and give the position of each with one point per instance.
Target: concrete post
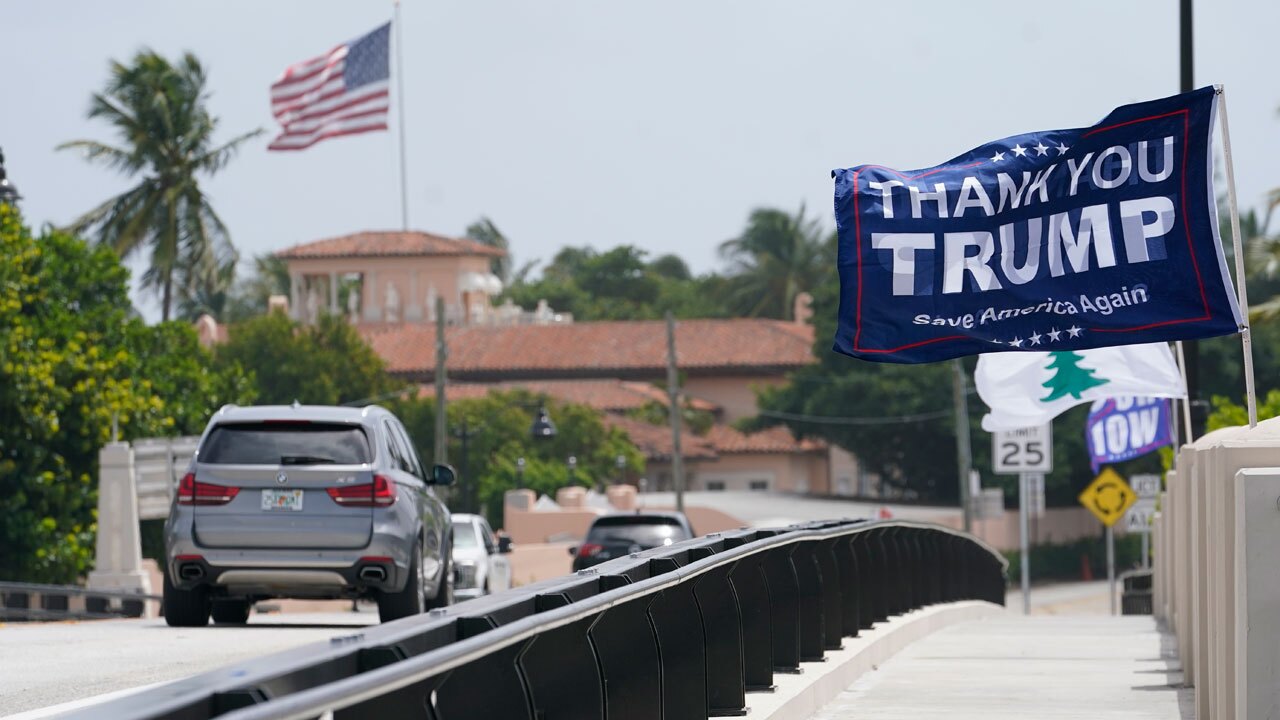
(118, 563)
(1256, 680)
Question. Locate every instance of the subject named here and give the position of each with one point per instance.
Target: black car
(612, 536)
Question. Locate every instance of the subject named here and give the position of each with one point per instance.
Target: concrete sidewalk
(1016, 666)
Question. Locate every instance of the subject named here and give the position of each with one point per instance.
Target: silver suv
(306, 502)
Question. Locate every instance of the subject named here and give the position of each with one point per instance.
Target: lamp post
(573, 465)
(542, 427)
(621, 463)
(519, 473)
(8, 192)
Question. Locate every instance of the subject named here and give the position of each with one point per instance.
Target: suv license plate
(281, 499)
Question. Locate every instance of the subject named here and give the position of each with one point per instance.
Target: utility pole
(960, 392)
(673, 394)
(1190, 348)
(442, 421)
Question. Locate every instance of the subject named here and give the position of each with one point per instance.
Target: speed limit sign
(1023, 450)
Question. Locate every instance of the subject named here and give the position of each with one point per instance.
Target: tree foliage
(72, 357)
(158, 110)
(498, 435)
(327, 363)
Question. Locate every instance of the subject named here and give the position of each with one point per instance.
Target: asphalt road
(43, 664)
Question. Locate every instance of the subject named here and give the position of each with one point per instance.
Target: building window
(759, 485)
(715, 485)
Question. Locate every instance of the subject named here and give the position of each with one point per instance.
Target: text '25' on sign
(1023, 450)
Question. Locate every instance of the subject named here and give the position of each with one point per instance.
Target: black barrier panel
(60, 603)
(411, 701)
(752, 591)
(564, 679)
(627, 652)
(722, 627)
(879, 553)
(832, 612)
(850, 594)
(489, 687)
(867, 579)
(682, 650)
(809, 581)
(784, 606)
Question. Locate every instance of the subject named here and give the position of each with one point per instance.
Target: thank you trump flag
(1049, 241)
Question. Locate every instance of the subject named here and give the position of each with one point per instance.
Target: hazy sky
(594, 122)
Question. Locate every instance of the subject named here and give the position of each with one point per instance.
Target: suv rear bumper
(276, 574)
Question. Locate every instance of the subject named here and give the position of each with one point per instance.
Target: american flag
(343, 92)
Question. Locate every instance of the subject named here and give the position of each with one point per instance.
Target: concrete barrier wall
(1216, 582)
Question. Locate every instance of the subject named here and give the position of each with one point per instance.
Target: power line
(831, 420)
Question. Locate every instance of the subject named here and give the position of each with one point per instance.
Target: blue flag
(1049, 241)
(1122, 428)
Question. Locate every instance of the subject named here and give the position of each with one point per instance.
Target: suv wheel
(444, 595)
(231, 612)
(185, 608)
(409, 601)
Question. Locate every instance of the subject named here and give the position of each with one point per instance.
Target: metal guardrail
(684, 631)
(33, 601)
(158, 464)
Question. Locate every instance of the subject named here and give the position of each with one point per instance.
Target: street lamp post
(519, 473)
(8, 192)
(621, 462)
(573, 465)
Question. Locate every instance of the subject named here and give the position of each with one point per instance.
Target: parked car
(479, 557)
(619, 534)
(306, 502)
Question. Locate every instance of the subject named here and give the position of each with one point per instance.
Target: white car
(479, 558)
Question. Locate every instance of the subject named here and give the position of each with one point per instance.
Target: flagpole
(1250, 393)
(1186, 401)
(404, 191)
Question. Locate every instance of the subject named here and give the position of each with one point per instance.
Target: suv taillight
(587, 550)
(379, 493)
(191, 492)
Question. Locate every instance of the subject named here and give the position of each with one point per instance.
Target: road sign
(1023, 450)
(1035, 494)
(1138, 519)
(1108, 497)
(1146, 486)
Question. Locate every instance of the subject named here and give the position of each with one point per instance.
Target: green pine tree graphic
(1069, 378)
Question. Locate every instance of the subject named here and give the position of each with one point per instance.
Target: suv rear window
(647, 530)
(285, 443)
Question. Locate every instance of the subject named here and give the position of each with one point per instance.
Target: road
(44, 664)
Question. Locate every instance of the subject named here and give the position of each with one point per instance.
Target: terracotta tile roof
(776, 439)
(388, 243)
(655, 440)
(626, 349)
(606, 395)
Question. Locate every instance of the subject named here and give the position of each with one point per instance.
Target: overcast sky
(659, 124)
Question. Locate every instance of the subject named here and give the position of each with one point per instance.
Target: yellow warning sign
(1108, 497)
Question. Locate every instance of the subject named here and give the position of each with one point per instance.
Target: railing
(684, 631)
(158, 465)
(31, 601)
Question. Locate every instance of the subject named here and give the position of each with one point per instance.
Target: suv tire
(185, 608)
(409, 601)
(444, 594)
(230, 612)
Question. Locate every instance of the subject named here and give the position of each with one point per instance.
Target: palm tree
(158, 110)
(775, 259)
(485, 232)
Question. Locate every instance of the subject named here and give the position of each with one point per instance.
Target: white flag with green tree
(1025, 389)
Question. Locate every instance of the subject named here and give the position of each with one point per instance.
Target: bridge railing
(34, 601)
(684, 631)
